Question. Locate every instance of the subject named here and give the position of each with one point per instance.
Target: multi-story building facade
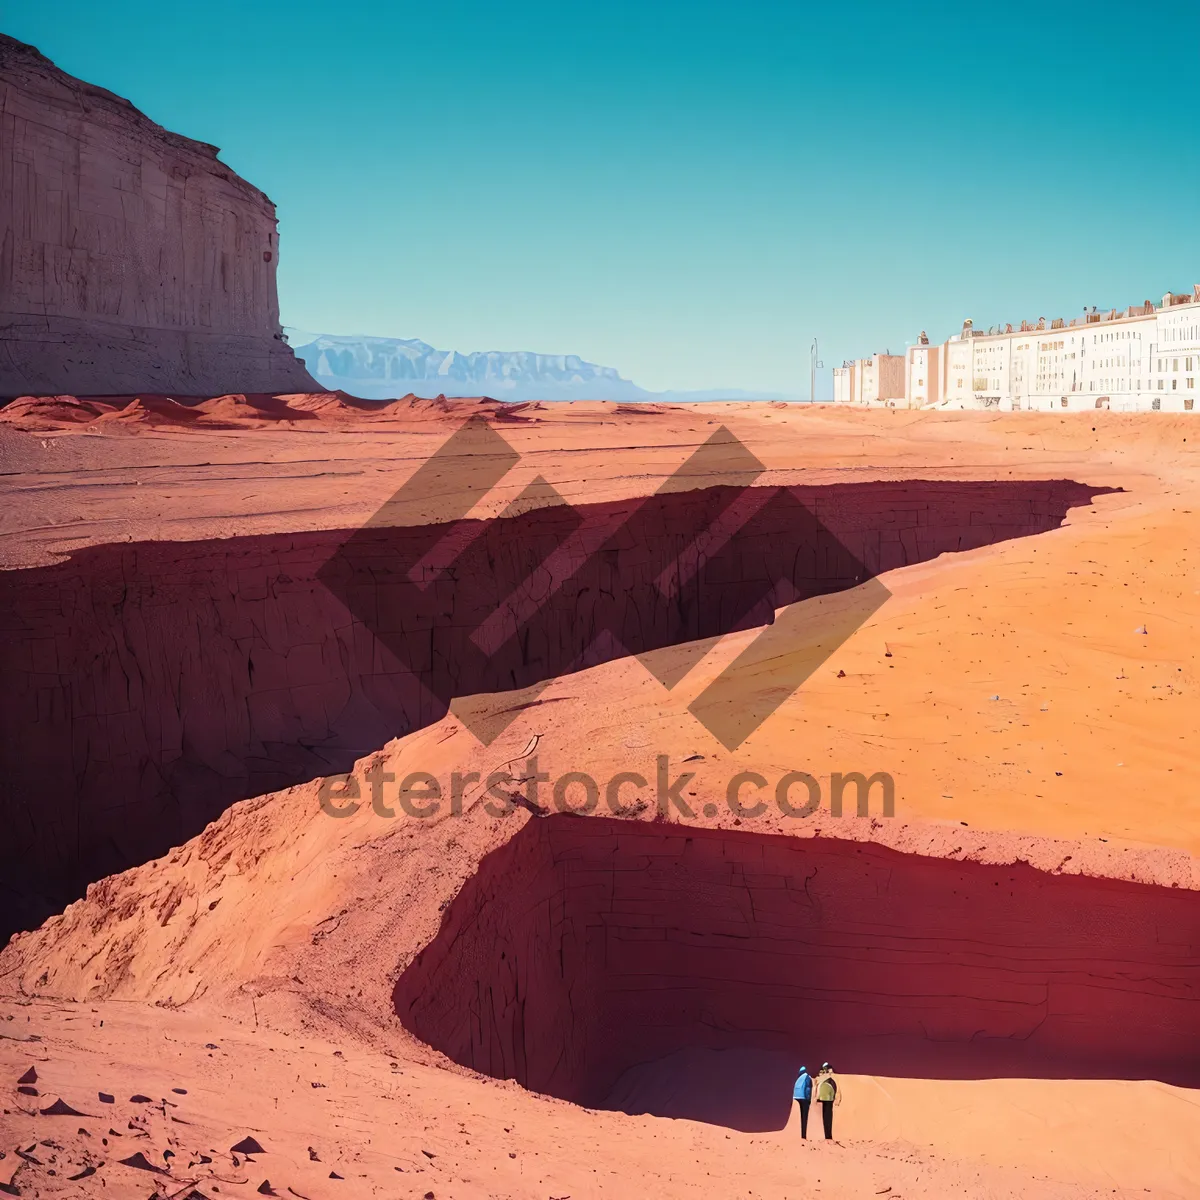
(923, 373)
(843, 383)
(877, 380)
(1145, 357)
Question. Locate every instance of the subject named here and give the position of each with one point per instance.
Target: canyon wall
(586, 948)
(146, 687)
(132, 259)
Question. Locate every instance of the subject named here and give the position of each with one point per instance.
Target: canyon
(133, 259)
(148, 686)
(586, 948)
(213, 616)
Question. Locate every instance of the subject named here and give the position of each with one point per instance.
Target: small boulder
(141, 1163)
(60, 1108)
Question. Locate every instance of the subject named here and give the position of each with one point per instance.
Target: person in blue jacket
(802, 1091)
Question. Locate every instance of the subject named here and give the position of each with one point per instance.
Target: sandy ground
(391, 1127)
(1035, 701)
(83, 485)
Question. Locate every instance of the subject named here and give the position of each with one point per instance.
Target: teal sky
(687, 192)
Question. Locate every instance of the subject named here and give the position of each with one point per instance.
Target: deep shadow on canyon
(688, 973)
(145, 687)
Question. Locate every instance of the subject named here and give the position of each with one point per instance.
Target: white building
(1144, 357)
(958, 351)
(924, 371)
(1174, 359)
(878, 380)
(843, 383)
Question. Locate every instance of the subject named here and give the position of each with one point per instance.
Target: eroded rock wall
(146, 687)
(132, 259)
(588, 946)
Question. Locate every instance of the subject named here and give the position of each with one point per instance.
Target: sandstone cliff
(132, 259)
(583, 948)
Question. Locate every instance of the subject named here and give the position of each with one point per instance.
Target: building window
(1187, 403)
(1156, 404)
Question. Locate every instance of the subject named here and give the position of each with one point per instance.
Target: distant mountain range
(379, 368)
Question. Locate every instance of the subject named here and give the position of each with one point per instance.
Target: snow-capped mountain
(380, 368)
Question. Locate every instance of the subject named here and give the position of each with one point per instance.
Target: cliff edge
(132, 259)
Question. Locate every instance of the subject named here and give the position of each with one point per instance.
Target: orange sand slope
(337, 1119)
(1034, 700)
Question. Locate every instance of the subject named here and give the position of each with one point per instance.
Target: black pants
(827, 1117)
(803, 1116)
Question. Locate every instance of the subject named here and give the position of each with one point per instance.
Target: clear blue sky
(689, 192)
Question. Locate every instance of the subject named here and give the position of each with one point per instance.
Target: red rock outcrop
(41, 414)
(584, 947)
(132, 260)
(147, 687)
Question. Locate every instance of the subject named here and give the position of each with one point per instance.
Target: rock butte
(1006, 971)
(133, 258)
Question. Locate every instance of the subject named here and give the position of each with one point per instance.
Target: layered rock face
(146, 687)
(132, 260)
(584, 949)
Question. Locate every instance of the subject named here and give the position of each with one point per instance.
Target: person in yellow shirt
(828, 1094)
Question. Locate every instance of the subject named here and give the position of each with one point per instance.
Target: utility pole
(815, 362)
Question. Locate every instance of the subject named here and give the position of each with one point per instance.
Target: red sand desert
(1006, 971)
